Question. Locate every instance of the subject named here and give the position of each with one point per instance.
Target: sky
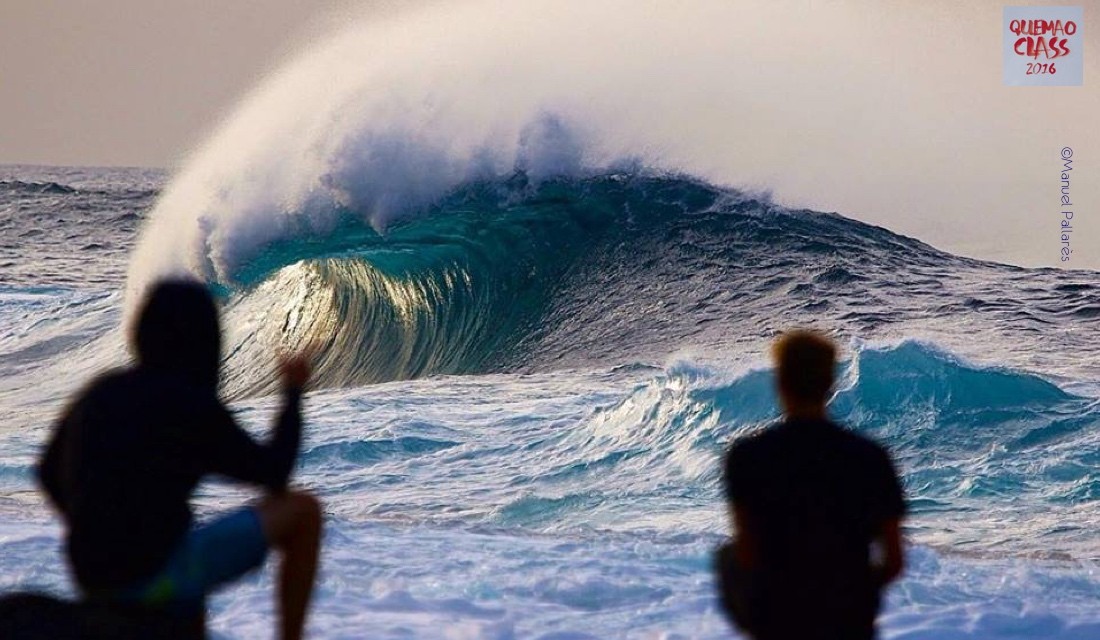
(892, 113)
(134, 83)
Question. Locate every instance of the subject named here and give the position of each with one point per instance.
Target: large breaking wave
(510, 275)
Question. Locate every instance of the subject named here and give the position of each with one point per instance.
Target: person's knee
(307, 509)
(289, 515)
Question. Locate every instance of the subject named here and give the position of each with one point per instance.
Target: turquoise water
(524, 391)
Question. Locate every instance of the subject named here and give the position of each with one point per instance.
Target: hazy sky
(132, 82)
(889, 112)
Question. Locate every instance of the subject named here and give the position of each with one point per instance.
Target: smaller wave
(41, 328)
(370, 451)
(885, 382)
(120, 194)
(19, 186)
(991, 440)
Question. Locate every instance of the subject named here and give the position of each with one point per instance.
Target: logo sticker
(1042, 46)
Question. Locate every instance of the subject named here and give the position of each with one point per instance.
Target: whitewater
(536, 333)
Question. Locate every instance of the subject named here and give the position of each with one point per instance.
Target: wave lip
(454, 291)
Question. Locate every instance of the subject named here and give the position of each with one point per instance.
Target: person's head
(177, 330)
(804, 364)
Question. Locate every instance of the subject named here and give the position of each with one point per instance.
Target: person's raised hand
(295, 370)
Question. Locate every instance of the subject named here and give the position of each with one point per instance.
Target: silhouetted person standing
(817, 509)
(128, 452)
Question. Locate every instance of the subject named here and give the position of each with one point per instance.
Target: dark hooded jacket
(126, 455)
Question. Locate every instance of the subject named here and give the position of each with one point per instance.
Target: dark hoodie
(127, 453)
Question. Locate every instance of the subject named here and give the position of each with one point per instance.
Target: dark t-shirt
(125, 457)
(816, 496)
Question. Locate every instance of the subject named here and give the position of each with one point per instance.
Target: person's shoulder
(165, 390)
(754, 444)
(742, 464)
(97, 397)
(106, 383)
(137, 382)
(863, 446)
(755, 437)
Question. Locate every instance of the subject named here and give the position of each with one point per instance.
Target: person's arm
(893, 558)
(235, 454)
(744, 545)
(737, 560)
(50, 469)
(892, 509)
(740, 477)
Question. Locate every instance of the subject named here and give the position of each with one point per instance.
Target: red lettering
(1034, 47)
(1047, 48)
(1040, 47)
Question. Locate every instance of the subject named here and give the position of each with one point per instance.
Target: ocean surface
(523, 392)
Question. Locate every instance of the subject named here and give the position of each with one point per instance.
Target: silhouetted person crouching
(128, 452)
(817, 512)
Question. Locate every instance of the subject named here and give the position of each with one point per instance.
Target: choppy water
(526, 388)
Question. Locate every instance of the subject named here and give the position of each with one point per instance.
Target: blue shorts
(209, 556)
